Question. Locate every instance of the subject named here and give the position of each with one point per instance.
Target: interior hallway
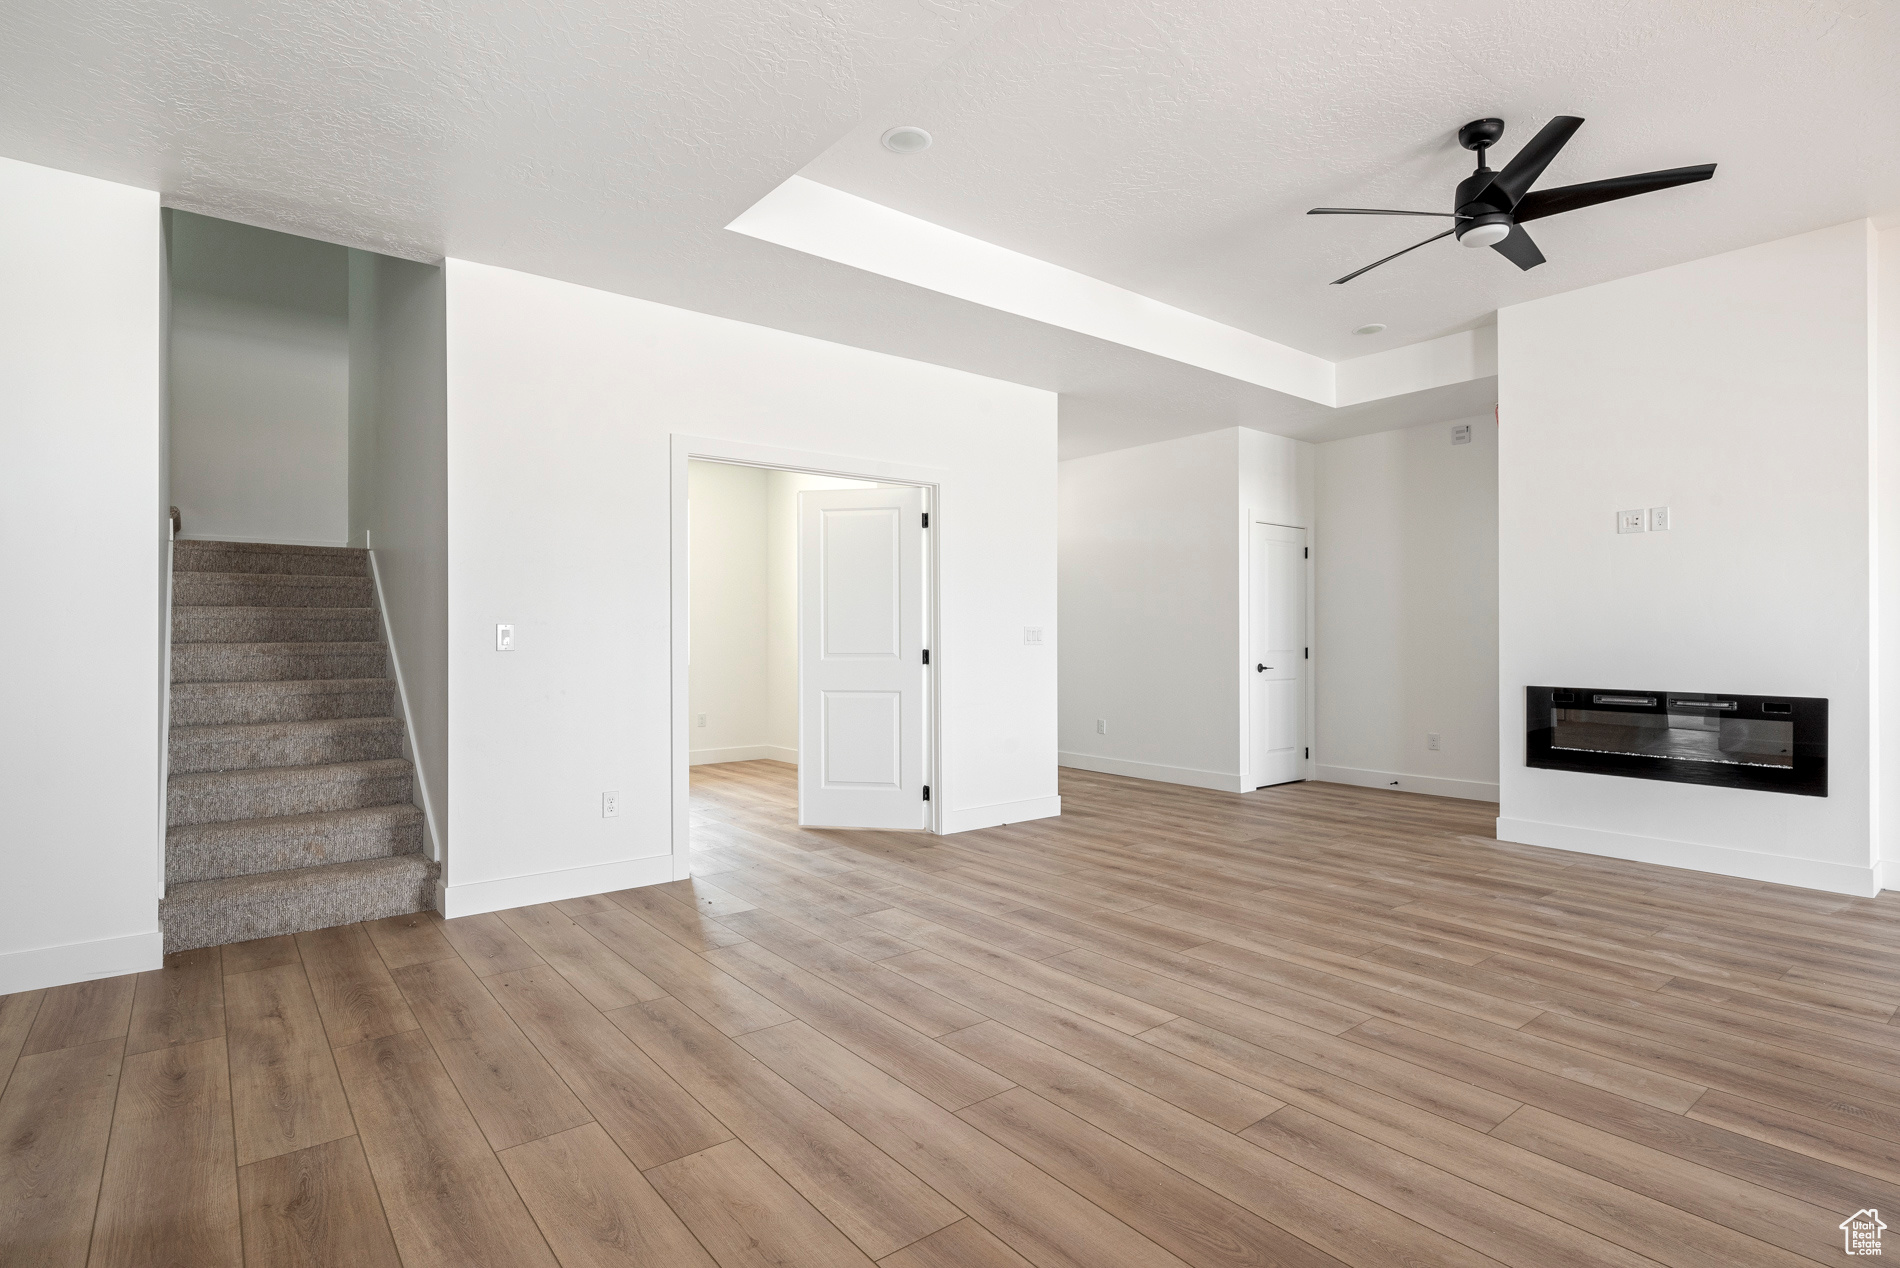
(1308, 1026)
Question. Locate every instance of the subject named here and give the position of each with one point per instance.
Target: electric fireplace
(1769, 743)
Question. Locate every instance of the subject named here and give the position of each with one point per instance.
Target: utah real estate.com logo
(1861, 1232)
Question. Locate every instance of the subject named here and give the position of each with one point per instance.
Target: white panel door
(861, 696)
(1277, 634)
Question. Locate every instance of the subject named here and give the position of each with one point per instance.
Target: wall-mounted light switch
(1658, 519)
(609, 805)
(1629, 521)
(1461, 434)
(1032, 636)
(504, 638)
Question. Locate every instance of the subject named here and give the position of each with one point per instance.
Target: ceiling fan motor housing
(1475, 203)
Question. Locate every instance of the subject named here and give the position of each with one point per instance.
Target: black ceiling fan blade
(1374, 211)
(1550, 202)
(1519, 249)
(1395, 255)
(1529, 163)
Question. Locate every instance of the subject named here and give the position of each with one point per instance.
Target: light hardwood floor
(1313, 1025)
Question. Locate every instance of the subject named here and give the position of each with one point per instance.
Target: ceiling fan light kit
(1490, 208)
(1487, 231)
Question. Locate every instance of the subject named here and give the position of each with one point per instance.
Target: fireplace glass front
(1770, 743)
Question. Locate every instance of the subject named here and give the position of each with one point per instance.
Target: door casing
(938, 490)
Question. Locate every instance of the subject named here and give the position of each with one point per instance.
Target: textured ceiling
(1164, 148)
(1171, 146)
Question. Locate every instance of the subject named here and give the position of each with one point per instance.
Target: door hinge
(926, 655)
(1309, 752)
(1307, 650)
(1306, 552)
(926, 792)
(926, 519)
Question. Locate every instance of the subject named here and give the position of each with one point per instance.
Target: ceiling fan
(1491, 207)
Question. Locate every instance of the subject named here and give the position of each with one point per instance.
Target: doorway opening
(808, 699)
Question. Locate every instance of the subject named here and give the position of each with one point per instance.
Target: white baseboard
(1220, 781)
(1469, 789)
(255, 541)
(80, 961)
(742, 753)
(1835, 878)
(552, 887)
(974, 817)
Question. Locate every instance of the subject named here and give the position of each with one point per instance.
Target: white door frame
(1244, 668)
(687, 448)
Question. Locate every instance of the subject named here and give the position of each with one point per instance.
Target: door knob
(1261, 669)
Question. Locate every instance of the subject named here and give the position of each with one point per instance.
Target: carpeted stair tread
(243, 847)
(203, 556)
(289, 805)
(259, 745)
(239, 908)
(220, 796)
(293, 700)
(270, 590)
(273, 625)
(276, 662)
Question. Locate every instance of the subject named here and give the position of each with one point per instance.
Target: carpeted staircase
(289, 801)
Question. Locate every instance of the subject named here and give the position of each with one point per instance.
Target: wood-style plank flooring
(1311, 1026)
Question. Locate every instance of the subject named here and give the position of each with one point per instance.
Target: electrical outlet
(1431, 741)
(504, 638)
(699, 719)
(1629, 521)
(609, 805)
(1658, 519)
(1032, 636)
(1101, 726)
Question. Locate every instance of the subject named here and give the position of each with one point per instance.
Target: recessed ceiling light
(1372, 328)
(906, 140)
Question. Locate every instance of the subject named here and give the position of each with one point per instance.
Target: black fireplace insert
(1769, 743)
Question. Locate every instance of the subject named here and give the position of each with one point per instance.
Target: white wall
(82, 517)
(399, 425)
(1406, 580)
(729, 627)
(1885, 756)
(1153, 581)
(562, 404)
(1735, 390)
(260, 384)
